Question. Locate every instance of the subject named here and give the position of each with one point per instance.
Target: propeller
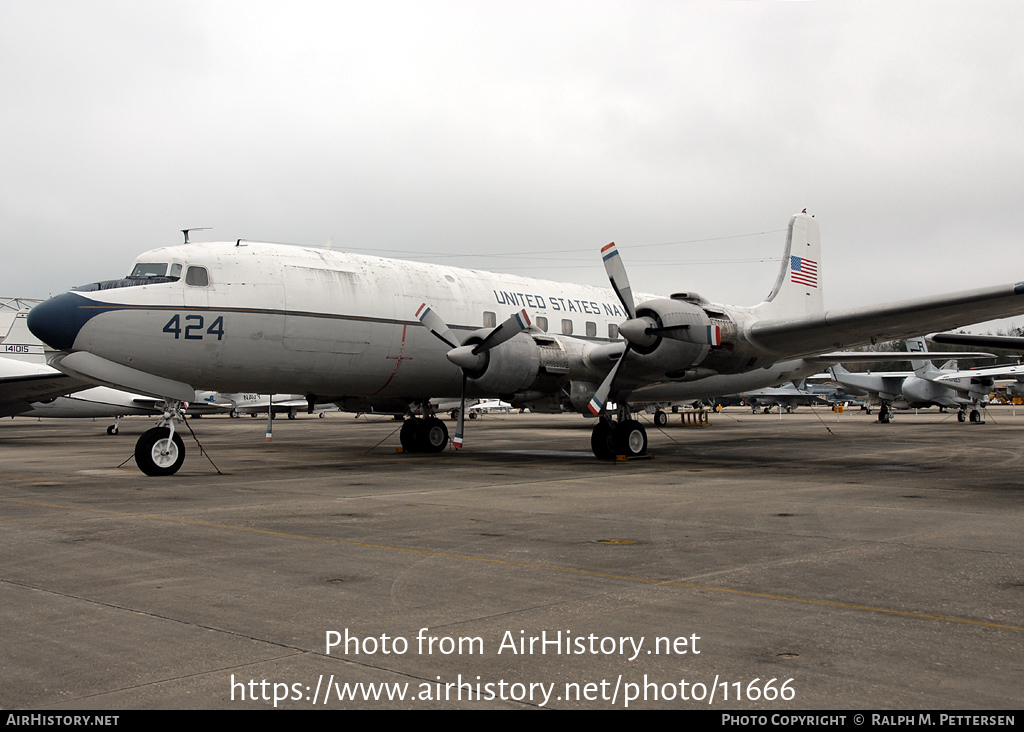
(620, 283)
(470, 358)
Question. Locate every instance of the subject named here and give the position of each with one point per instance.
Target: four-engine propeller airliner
(365, 332)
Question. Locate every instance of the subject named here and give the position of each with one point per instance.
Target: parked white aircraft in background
(368, 332)
(1011, 373)
(923, 387)
(253, 404)
(30, 388)
(786, 397)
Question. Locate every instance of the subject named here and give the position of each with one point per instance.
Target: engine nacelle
(526, 362)
(681, 335)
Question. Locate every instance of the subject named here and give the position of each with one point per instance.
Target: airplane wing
(23, 383)
(816, 333)
(1010, 343)
(986, 375)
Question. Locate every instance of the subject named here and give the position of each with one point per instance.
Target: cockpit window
(197, 277)
(149, 269)
(144, 273)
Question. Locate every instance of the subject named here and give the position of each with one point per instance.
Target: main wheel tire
(660, 418)
(156, 454)
(629, 438)
(409, 435)
(975, 415)
(433, 435)
(601, 440)
(961, 417)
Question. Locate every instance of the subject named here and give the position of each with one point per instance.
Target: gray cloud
(500, 128)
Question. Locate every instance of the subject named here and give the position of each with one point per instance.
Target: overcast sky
(521, 137)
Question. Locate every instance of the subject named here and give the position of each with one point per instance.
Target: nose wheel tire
(157, 454)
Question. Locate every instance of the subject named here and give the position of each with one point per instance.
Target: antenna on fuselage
(194, 228)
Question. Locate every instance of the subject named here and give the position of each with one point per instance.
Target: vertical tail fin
(797, 289)
(20, 344)
(917, 345)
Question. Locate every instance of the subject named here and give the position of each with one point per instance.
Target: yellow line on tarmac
(528, 565)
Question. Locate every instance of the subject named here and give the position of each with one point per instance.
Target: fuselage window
(613, 331)
(566, 327)
(489, 319)
(175, 271)
(591, 329)
(197, 277)
(542, 323)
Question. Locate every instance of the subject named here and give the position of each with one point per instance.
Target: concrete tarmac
(759, 563)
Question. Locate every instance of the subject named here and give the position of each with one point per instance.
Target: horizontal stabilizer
(869, 356)
(843, 328)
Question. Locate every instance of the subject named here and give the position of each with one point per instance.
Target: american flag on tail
(803, 272)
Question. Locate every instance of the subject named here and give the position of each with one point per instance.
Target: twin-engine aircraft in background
(925, 386)
(371, 333)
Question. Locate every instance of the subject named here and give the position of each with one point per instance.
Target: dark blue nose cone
(57, 321)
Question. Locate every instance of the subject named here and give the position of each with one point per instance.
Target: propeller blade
(436, 325)
(617, 276)
(596, 405)
(270, 419)
(505, 331)
(457, 442)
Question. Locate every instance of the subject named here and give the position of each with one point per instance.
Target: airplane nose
(57, 321)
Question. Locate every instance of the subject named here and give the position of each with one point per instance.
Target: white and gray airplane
(365, 332)
(923, 387)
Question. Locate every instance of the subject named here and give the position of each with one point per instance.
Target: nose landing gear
(160, 450)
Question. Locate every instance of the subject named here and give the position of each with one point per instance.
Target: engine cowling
(526, 362)
(670, 335)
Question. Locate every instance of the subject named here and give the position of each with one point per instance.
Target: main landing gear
(884, 413)
(624, 437)
(962, 416)
(426, 434)
(160, 450)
